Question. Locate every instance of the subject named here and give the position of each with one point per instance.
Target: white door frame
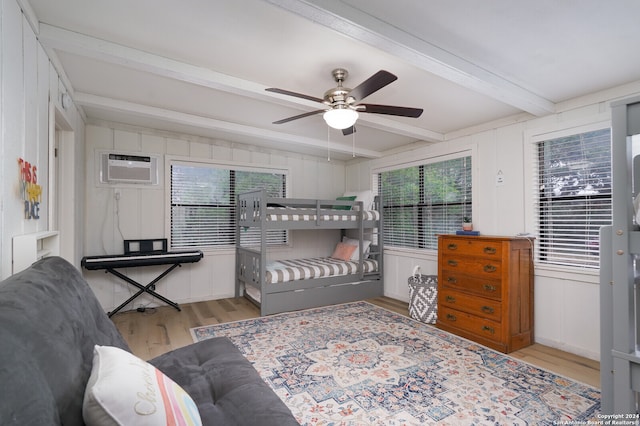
(62, 180)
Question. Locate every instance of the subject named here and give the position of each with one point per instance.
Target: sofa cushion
(226, 387)
(50, 321)
(125, 390)
(25, 398)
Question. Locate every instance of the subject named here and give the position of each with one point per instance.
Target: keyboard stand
(149, 288)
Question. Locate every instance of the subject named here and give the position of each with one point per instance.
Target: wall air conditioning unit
(128, 168)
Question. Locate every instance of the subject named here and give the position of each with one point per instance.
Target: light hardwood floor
(159, 330)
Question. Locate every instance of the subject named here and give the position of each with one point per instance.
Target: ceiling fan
(343, 104)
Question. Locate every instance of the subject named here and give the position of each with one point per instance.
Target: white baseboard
(400, 297)
(568, 348)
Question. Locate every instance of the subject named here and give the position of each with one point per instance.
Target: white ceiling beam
(133, 109)
(105, 51)
(368, 29)
(91, 47)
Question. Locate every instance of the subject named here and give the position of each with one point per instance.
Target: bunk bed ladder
(619, 248)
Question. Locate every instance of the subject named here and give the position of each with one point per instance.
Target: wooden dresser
(485, 289)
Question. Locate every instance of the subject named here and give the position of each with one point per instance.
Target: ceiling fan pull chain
(328, 146)
(353, 144)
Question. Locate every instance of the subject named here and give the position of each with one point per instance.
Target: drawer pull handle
(452, 262)
(451, 299)
(452, 246)
(451, 317)
(489, 329)
(489, 287)
(489, 268)
(452, 280)
(490, 250)
(488, 309)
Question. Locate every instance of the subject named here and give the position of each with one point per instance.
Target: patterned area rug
(359, 364)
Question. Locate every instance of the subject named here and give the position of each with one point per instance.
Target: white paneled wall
(140, 211)
(399, 266)
(13, 122)
(28, 82)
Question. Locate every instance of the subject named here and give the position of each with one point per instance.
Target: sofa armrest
(225, 386)
(50, 320)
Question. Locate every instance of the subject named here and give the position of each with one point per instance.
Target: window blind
(574, 197)
(203, 204)
(420, 202)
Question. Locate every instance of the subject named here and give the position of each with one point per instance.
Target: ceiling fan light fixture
(340, 118)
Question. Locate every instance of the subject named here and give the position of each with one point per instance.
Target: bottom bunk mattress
(305, 269)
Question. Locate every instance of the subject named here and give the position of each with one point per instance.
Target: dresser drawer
(491, 288)
(489, 268)
(478, 326)
(471, 247)
(479, 306)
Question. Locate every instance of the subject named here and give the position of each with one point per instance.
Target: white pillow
(353, 242)
(366, 197)
(125, 390)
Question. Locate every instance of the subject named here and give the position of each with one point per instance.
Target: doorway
(62, 182)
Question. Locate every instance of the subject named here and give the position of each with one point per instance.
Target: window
(420, 202)
(574, 197)
(203, 201)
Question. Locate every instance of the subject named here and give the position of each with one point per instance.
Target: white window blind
(203, 204)
(574, 197)
(420, 202)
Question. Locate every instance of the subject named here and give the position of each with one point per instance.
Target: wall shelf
(29, 248)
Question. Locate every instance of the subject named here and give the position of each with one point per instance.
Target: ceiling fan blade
(295, 117)
(297, 95)
(349, 130)
(372, 84)
(391, 110)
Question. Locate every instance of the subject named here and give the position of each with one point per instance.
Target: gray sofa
(50, 321)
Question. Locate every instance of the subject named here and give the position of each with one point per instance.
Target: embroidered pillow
(125, 390)
(356, 254)
(343, 251)
(349, 198)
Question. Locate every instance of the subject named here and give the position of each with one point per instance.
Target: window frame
(242, 167)
(467, 151)
(531, 138)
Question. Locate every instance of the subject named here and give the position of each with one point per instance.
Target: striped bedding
(302, 269)
(282, 214)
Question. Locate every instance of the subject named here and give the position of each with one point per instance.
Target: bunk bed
(288, 285)
(619, 270)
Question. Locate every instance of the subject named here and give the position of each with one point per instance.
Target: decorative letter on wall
(30, 191)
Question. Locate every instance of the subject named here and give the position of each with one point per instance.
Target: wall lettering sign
(30, 191)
